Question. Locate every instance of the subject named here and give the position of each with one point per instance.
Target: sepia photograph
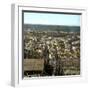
(51, 44)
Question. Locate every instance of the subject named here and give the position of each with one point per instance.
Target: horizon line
(52, 25)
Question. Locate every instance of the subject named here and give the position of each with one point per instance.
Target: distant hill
(38, 27)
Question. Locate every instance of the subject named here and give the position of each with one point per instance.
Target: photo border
(16, 43)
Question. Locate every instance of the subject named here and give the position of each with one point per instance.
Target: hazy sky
(51, 19)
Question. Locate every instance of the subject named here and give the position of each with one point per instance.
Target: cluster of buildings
(52, 47)
(67, 44)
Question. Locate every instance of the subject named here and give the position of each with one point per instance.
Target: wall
(5, 42)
